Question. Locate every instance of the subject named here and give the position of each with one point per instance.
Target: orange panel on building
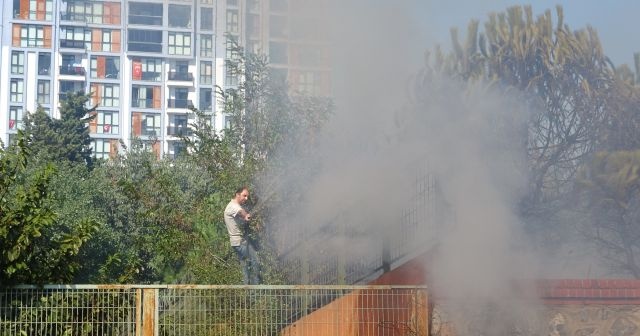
(101, 66)
(96, 40)
(15, 38)
(115, 41)
(157, 103)
(136, 123)
(47, 36)
(24, 9)
(113, 150)
(41, 10)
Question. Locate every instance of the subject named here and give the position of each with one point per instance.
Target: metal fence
(172, 310)
(307, 260)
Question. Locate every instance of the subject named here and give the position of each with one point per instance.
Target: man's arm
(244, 215)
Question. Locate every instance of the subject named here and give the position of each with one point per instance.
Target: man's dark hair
(241, 189)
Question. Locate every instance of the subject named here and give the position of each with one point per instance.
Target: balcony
(148, 76)
(72, 44)
(142, 103)
(180, 78)
(179, 131)
(179, 103)
(150, 131)
(73, 17)
(72, 70)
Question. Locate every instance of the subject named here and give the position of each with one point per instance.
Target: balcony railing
(179, 131)
(150, 131)
(73, 44)
(150, 76)
(66, 16)
(179, 103)
(142, 103)
(181, 76)
(72, 70)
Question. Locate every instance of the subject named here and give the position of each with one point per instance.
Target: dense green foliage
(136, 218)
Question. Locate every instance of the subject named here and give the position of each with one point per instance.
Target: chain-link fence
(174, 310)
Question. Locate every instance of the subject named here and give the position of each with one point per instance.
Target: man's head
(242, 195)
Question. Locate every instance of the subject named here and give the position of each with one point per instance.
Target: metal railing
(306, 259)
(172, 310)
(180, 76)
(179, 103)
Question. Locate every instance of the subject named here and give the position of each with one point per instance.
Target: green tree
(66, 138)
(35, 247)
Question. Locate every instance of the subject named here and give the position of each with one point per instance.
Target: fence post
(147, 325)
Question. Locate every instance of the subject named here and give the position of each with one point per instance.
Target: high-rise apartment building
(147, 61)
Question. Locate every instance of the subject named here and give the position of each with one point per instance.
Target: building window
(278, 26)
(75, 37)
(206, 72)
(15, 117)
(206, 45)
(110, 95)
(17, 62)
(253, 25)
(206, 2)
(278, 53)
(145, 40)
(179, 43)
(179, 16)
(306, 82)
(206, 100)
(44, 63)
(143, 96)
(86, 11)
(151, 125)
(105, 67)
(109, 42)
(71, 66)
(144, 13)
(31, 36)
(16, 90)
(233, 23)
(107, 122)
(279, 5)
(39, 10)
(147, 69)
(206, 18)
(44, 92)
(232, 52)
(101, 148)
(231, 77)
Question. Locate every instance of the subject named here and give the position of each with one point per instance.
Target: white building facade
(144, 61)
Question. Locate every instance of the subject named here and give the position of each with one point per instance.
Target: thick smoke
(390, 119)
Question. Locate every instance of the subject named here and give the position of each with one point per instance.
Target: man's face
(243, 196)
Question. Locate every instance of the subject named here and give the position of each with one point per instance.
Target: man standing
(236, 219)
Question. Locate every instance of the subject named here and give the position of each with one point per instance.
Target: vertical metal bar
(138, 329)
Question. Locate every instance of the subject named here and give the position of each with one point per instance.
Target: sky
(614, 20)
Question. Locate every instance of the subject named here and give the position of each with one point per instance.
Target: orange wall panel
(115, 40)
(24, 9)
(47, 36)
(157, 102)
(96, 40)
(15, 38)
